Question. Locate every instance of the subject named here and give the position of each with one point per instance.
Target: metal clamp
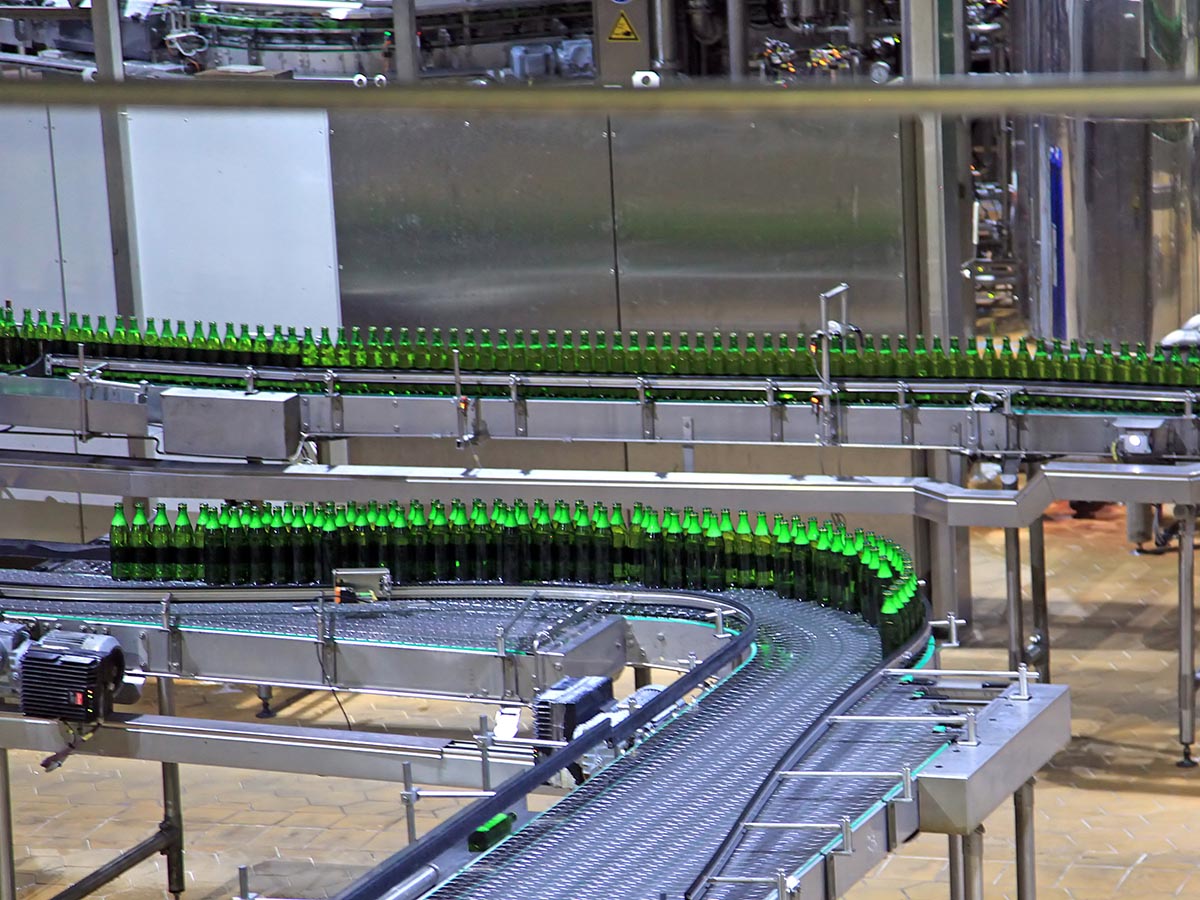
(774, 410)
(951, 623)
(251, 377)
(520, 408)
(170, 626)
(646, 402)
(329, 378)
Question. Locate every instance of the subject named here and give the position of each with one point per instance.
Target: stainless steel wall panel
(450, 221)
(738, 222)
(30, 273)
(82, 203)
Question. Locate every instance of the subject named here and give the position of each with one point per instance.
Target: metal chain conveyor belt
(646, 825)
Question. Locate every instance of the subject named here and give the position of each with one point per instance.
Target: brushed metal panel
(29, 248)
(253, 187)
(448, 221)
(82, 197)
(738, 222)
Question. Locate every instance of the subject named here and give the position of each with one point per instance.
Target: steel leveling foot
(1187, 762)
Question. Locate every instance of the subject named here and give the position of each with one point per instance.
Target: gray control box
(230, 423)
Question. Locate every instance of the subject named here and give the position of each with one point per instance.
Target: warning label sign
(622, 29)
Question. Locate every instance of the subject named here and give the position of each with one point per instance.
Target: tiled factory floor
(1115, 817)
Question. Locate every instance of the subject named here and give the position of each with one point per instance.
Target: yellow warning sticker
(622, 30)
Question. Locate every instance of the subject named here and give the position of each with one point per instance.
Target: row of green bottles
(261, 544)
(598, 352)
(22, 344)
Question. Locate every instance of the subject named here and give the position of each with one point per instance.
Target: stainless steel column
(735, 17)
(955, 842)
(172, 801)
(1012, 582)
(1040, 640)
(1026, 859)
(973, 865)
(665, 62)
(8, 863)
(949, 547)
(406, 58)
(110, 66)
(1187, 633)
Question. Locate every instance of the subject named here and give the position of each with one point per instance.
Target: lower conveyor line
(647, 825)
(650, 823)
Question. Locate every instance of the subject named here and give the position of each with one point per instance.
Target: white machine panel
(234, 215)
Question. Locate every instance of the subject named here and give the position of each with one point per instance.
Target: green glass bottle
(693, 554)
(56, 338)
(278, 551)
(140, 550)
(729, 550)
(744, 540)
(216, 561)
(619, 531)
(162, 553)
(603, 547)
(801, 560)
(119, 553)
(652, 549)
(237, 540)
(71, 333)
(922, 365)
(764, 566)
(885, 360)
(672, 550)
(259, 550)
(541, 544)
(510, 552)
(714, 561)
(781, 559)
(439, 543)
(581, 525)
(460, 541)
(151, 342)
(103, 345)
(134, 348)
(186, 565)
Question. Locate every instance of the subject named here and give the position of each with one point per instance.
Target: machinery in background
(489, 41)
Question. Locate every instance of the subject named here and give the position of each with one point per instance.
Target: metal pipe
(1015, 611)
(735, 17)
(1040, 641)
(406, 54)
(172, 800)
(8, 864)
(159, 842)
(973, 865)
(664, 62)
(955, 842)
(1187, 633)
(1026, 858)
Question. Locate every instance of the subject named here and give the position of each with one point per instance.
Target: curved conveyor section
(649, 823)
(656, 820)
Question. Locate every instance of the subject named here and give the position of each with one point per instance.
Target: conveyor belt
(648, 823)
(688, 784)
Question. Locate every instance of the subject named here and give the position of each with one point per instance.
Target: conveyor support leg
(264, 695)
(956, 866)
(1012, 580)
(1187, 633)
(1038, 651)
(973, 865)
(172, 800)
(1026, 860)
